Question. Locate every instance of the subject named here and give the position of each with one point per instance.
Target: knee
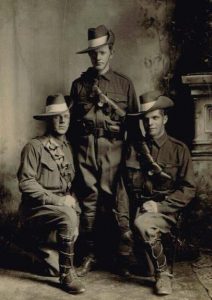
(69, 220)
(144, 226)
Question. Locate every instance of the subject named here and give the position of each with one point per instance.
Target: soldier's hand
(70, 201)
(150, 206)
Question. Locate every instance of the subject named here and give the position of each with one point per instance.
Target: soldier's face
(154, 123)
(60, 123)
(100, 58)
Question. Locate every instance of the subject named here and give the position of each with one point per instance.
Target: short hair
(163, 111)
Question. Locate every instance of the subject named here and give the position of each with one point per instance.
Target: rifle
(142, 148)
(104, 99)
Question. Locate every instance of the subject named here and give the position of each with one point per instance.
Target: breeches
(45, 219)
(99, 162)
(151, 225)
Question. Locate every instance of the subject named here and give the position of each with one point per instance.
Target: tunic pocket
(50, 165)
(50, 176)
(170, 168)
(121, 101)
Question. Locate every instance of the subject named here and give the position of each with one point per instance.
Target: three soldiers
(101, 99)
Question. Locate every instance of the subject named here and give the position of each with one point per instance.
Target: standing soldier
(45, 177)
(99, 95)
(154, 202)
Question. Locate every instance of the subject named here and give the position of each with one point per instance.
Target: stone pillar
(199, 80)
(201, 91)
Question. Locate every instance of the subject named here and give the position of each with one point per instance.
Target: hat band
(147, 106)
(56, 108)
(97, 42)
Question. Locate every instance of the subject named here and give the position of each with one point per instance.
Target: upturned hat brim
(98, 37)
(162, 102)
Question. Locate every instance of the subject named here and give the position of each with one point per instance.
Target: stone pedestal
(201, 91)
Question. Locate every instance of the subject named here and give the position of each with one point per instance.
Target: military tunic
(174, 158)
(98, 134)
(45, 177)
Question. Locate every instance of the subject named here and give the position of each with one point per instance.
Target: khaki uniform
(45, 176)
(98, 134)
(171, 195)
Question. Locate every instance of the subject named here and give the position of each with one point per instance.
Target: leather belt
(87, 128)
(101, 132)
(157, 196)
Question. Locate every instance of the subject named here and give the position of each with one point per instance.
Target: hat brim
(162, 102)
(45, 116)
(91, 49)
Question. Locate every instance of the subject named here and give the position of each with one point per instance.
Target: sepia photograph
(105, 149)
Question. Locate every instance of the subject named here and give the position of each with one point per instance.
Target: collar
(55, 142)
(160, 141)
(91, 73)
(108, 75)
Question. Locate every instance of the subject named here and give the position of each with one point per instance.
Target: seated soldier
(45, 177)
(155, 201)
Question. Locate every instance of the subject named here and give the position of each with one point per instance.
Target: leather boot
(88, 265)
(69, 280)
(124, 265)
(162, 275)
(163, 284)
(125, 253)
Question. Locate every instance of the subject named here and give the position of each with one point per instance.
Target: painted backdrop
(39, 39)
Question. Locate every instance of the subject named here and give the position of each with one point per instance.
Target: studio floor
(192, 281)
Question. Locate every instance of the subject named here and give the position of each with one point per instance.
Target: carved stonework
(201, 91)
